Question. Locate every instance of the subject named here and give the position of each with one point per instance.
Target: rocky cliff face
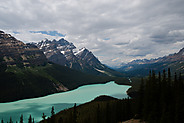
(87, 57)
(15, 52)
(62, 52)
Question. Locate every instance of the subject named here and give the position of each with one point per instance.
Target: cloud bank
(115, 31)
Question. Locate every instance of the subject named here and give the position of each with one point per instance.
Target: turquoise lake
(60, 101)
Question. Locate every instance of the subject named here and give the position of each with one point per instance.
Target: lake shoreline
(61, 101)
(66, 91)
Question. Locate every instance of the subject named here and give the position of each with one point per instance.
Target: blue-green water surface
(36, 106)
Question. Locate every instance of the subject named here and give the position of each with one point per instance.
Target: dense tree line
(112, 111)
(161, 98)
(30, 120)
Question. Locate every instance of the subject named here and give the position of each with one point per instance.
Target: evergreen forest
(160, 99)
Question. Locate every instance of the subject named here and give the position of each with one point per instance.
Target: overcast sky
(115, 31)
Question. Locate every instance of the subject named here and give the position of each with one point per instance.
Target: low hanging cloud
(115, 31)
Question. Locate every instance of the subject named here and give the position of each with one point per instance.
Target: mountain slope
(103, 109)
(64, 53)
(142, 67)
(25, 72)
(15, 52)
(17, 83)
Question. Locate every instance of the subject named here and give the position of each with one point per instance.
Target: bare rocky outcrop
(16, 52)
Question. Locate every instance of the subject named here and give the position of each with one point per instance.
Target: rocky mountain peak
(1, 32)
(61, 45)
(7, 36)
(87, 56)
(65, 53)
(181, 52)
(82, 52)
(15, 52)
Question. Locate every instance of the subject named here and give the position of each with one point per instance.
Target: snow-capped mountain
(65, 53)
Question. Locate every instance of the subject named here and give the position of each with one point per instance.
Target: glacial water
(60, 101)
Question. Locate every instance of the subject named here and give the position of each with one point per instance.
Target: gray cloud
(168, 36)
(134, 29)
(121, 43)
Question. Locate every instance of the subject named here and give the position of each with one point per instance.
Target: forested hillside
(160, 99)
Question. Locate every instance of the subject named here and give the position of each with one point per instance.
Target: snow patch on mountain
(80, 51)
(100, 70)
(63, 52)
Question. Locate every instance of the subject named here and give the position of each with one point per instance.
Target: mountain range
(141, 67)
(65, 53)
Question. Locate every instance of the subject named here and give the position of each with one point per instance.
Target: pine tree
(60, 120)
(180, 77)
(147, 97)
(43, 116)
(149, 75)
(52, 111)
(164, 76)
(153, 77)
(75, 113)
(159, 85)
(180, 99)
(30, 119)
(164, 88)
(98, 114)
(52, 115)
(129, 108)
(153, 87)
(141, 98)
(21, 119)
(3, 65)
(108, 119)
(159, 77)
(180, 83)
(119, 111)
(11, 121)
(169, 76)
